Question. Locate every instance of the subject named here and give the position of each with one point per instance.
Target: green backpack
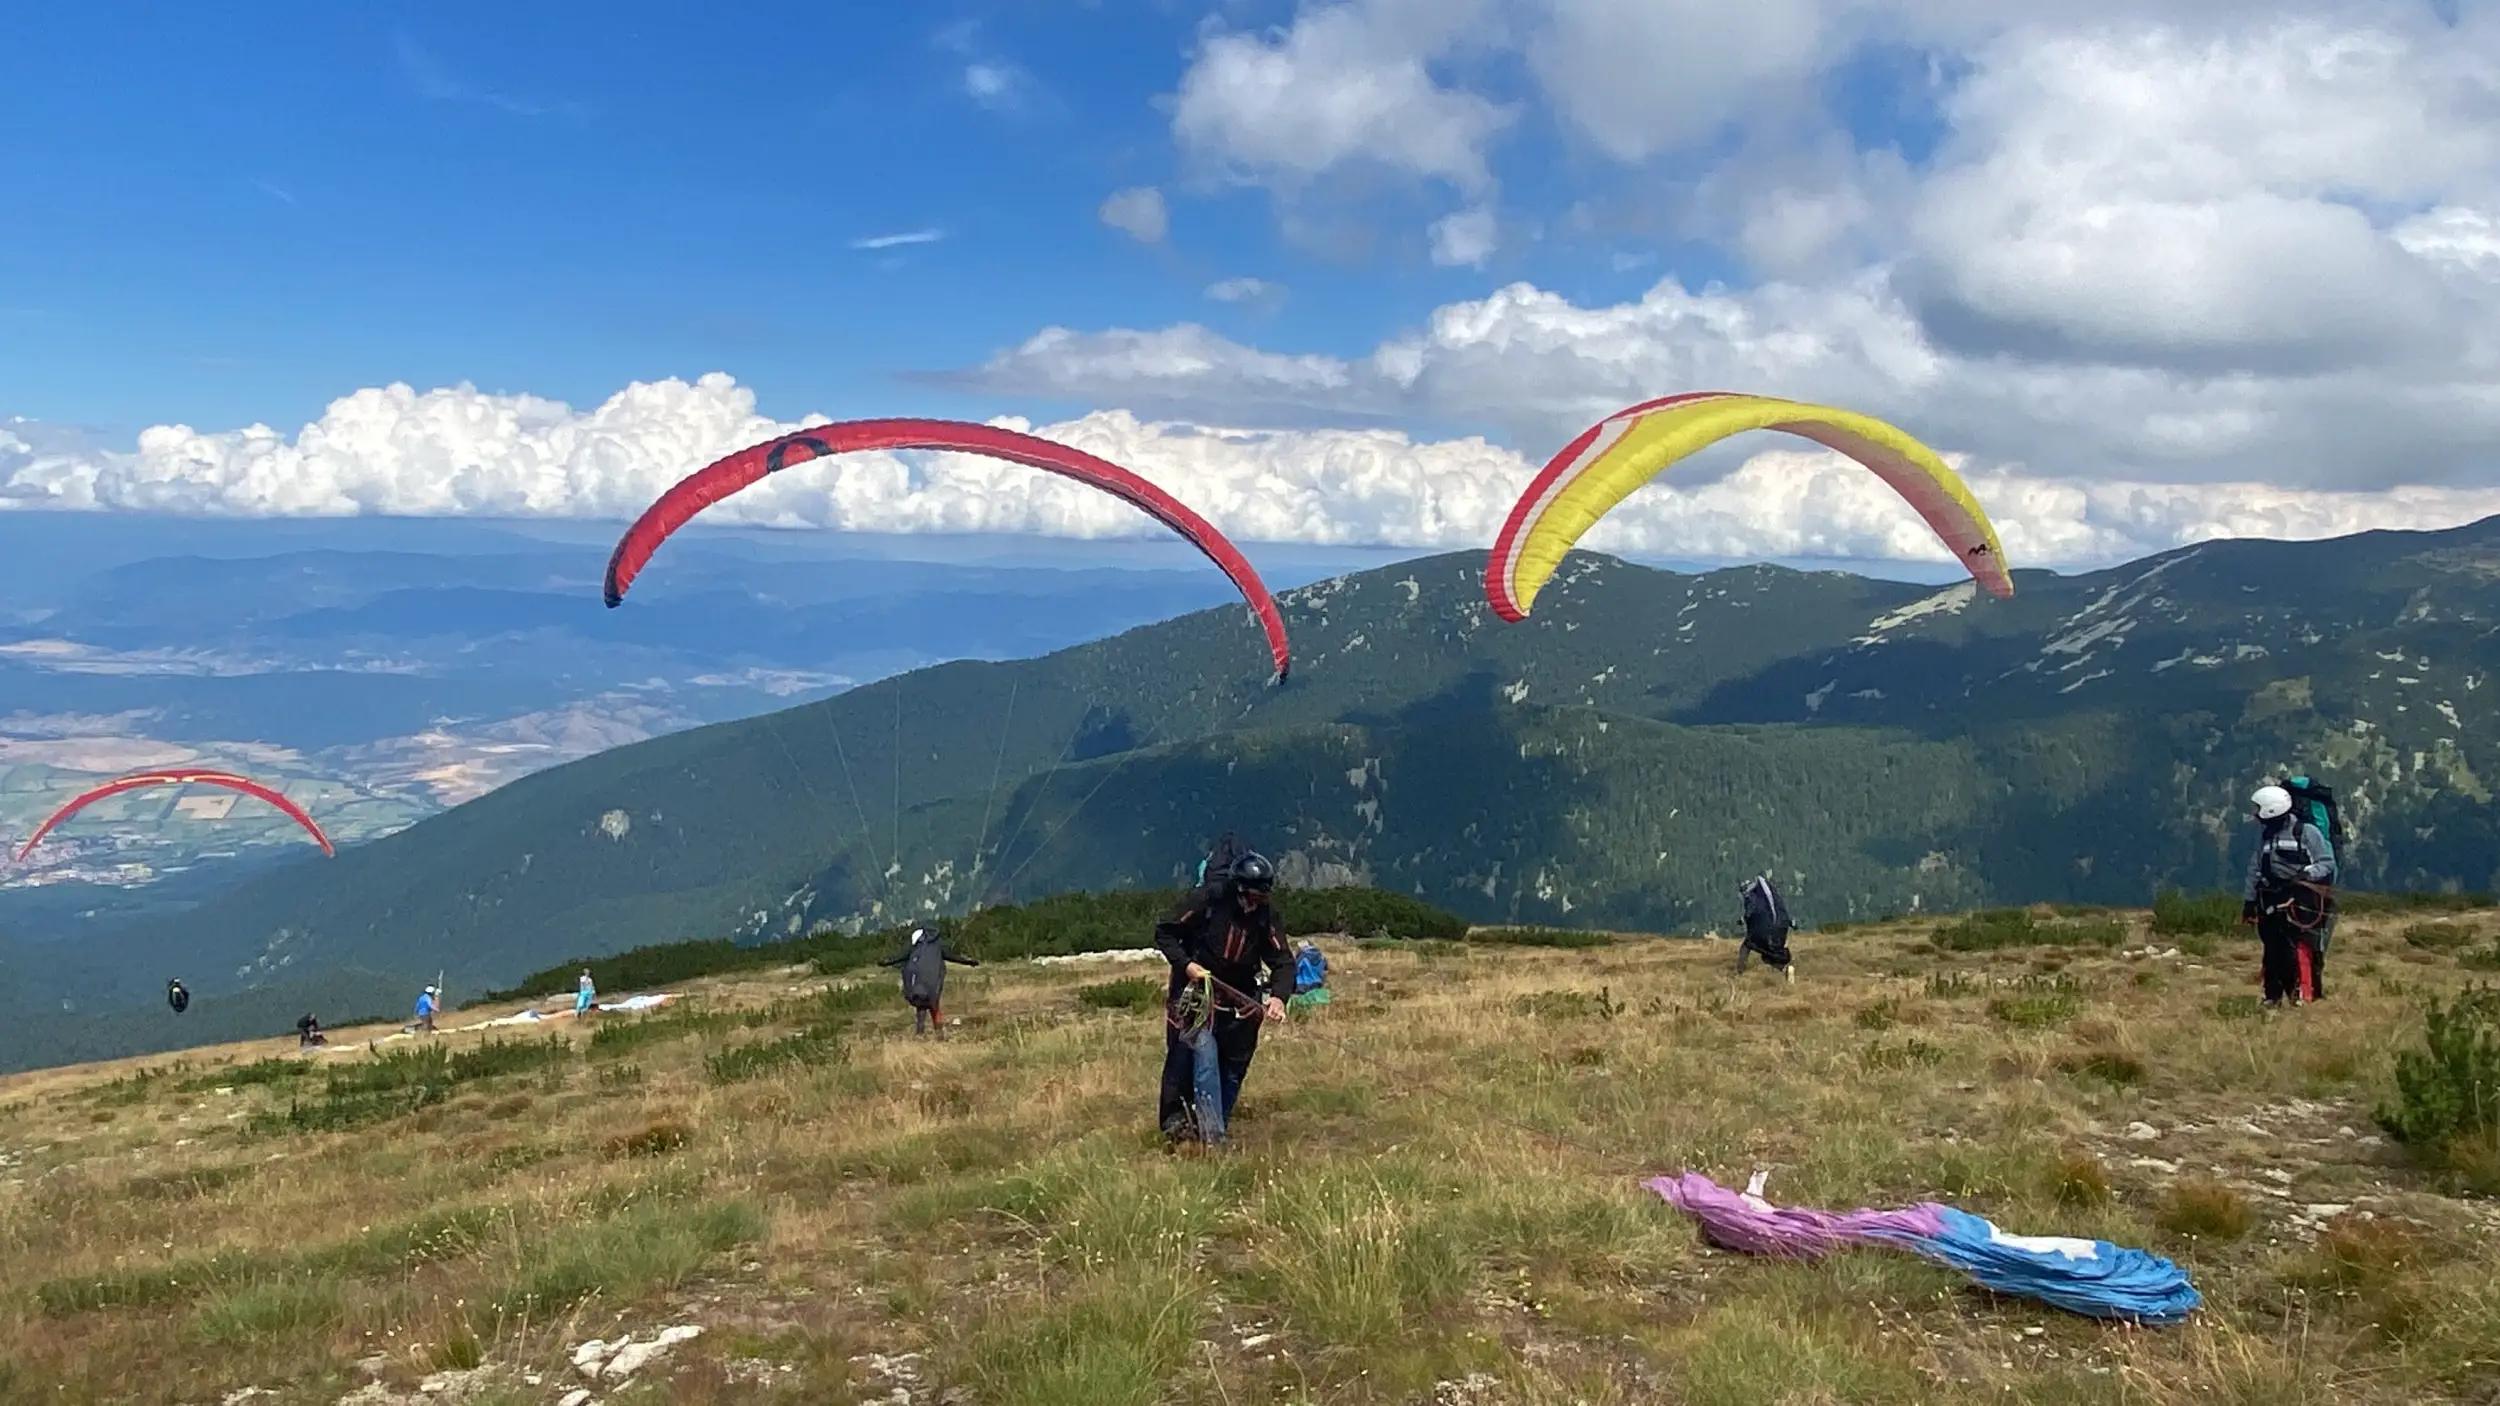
(2314, 802)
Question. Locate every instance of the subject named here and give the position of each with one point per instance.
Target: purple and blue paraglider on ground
(2091, 1277)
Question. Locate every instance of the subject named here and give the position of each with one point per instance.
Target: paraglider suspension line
(989, 803)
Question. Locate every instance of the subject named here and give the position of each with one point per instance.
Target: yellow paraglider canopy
(1630, 447)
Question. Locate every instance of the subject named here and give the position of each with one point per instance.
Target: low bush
(2447, 1104)
(2177, 914)
(1997, 928)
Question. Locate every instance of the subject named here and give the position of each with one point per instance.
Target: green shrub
(1994, 929)
(1538, 937)
(1366, 912)
(2447, 1104)
(2177, 914)
(1061, 925)
(2437, 937)
(399, 1082)
(1135, 993)
(2036, 1011)
(815, 1045)
(2413, 902)
(617, 1034)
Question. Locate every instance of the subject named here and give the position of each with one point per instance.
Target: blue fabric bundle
(2090, 1277)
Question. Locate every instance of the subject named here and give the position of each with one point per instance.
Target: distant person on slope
(924, 978)
(1310, 978)
(584, 993)
(426, 1007)
(2289, 894)
(308, 1032)
(1217, 943)
(1766, 926)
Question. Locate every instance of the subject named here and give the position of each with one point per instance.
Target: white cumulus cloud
(1139, 213)
(461, 452)
(1253, 291)
(1463, 240)
(1348, 85)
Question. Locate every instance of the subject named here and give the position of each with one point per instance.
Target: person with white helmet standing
(2290, 889)
(924, 978)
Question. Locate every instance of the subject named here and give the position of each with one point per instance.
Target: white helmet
(2271, 802)
(922, 934)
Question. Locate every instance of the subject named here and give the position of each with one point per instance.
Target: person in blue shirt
(425, 1010)
(1310, 968)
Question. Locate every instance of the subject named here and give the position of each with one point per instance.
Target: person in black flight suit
(1766, 926)
(1217, 942)
(924, 978)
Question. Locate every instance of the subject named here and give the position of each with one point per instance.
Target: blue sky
(234, 214)
(2050, 239)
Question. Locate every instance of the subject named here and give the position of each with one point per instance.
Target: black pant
(1236, 1040)
(2282, 962)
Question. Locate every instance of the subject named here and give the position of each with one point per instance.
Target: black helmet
(1252, 871)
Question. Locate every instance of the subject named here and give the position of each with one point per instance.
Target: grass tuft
(1135, 993)
(657, 1138)
(2200, 1208)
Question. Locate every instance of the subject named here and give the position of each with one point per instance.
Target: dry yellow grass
(1433, 1195)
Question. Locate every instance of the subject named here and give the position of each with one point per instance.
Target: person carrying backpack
(924, 978)
(2289, 896)
(2316, 802)
(1766, 926)
(1218, 942)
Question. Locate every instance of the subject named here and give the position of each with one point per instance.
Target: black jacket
(1766, 915)
(1213, 930)
(924, 969)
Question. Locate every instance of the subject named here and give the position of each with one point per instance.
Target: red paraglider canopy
(710, 484)
(178, 777)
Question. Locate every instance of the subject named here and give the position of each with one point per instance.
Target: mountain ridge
(1618, 759)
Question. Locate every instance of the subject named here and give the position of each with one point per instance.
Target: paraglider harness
(2286, 892)
(2309, 906)
(1201, 997)
(177, 996)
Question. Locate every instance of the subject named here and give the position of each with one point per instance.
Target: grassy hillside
(1434, 1195)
